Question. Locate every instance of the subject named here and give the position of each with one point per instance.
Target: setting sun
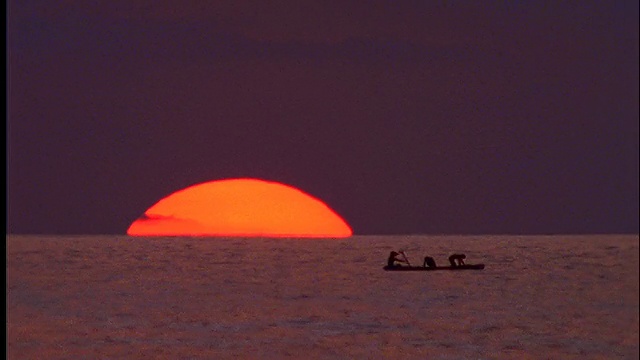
(240, 207)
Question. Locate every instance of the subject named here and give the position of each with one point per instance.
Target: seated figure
(429, 262)
(394, 260)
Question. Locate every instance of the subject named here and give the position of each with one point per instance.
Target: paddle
(405, 258)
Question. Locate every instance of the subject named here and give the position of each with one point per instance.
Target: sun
(240, 207)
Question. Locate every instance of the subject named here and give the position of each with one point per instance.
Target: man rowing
(395, 260)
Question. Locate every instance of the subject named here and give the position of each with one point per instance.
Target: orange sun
(240, 207)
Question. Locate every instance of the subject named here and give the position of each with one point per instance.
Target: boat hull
(420, 268)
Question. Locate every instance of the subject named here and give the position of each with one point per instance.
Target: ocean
(109, 297)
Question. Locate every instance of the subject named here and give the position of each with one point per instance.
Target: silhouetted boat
(421, 268)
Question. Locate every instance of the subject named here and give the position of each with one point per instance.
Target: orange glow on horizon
(240, 207)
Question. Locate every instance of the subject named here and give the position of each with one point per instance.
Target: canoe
(420, 268)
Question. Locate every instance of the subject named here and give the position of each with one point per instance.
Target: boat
(422, 268)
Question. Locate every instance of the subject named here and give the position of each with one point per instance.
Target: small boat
(422, 268)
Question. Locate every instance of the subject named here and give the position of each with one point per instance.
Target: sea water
(106, 297)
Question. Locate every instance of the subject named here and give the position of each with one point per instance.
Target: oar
(405, 258)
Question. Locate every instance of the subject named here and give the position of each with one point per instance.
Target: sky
(405, 117)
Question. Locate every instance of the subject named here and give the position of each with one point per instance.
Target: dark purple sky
(405, 117)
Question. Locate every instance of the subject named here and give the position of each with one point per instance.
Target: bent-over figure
(457, 259)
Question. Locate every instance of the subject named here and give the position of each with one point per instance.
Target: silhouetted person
(457, 259)
(429, 262)
(394, 260)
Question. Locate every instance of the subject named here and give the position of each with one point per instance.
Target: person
(429, 262)
(457, 259)
(394, 260)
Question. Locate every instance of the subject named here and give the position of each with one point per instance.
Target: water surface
(569, 297)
